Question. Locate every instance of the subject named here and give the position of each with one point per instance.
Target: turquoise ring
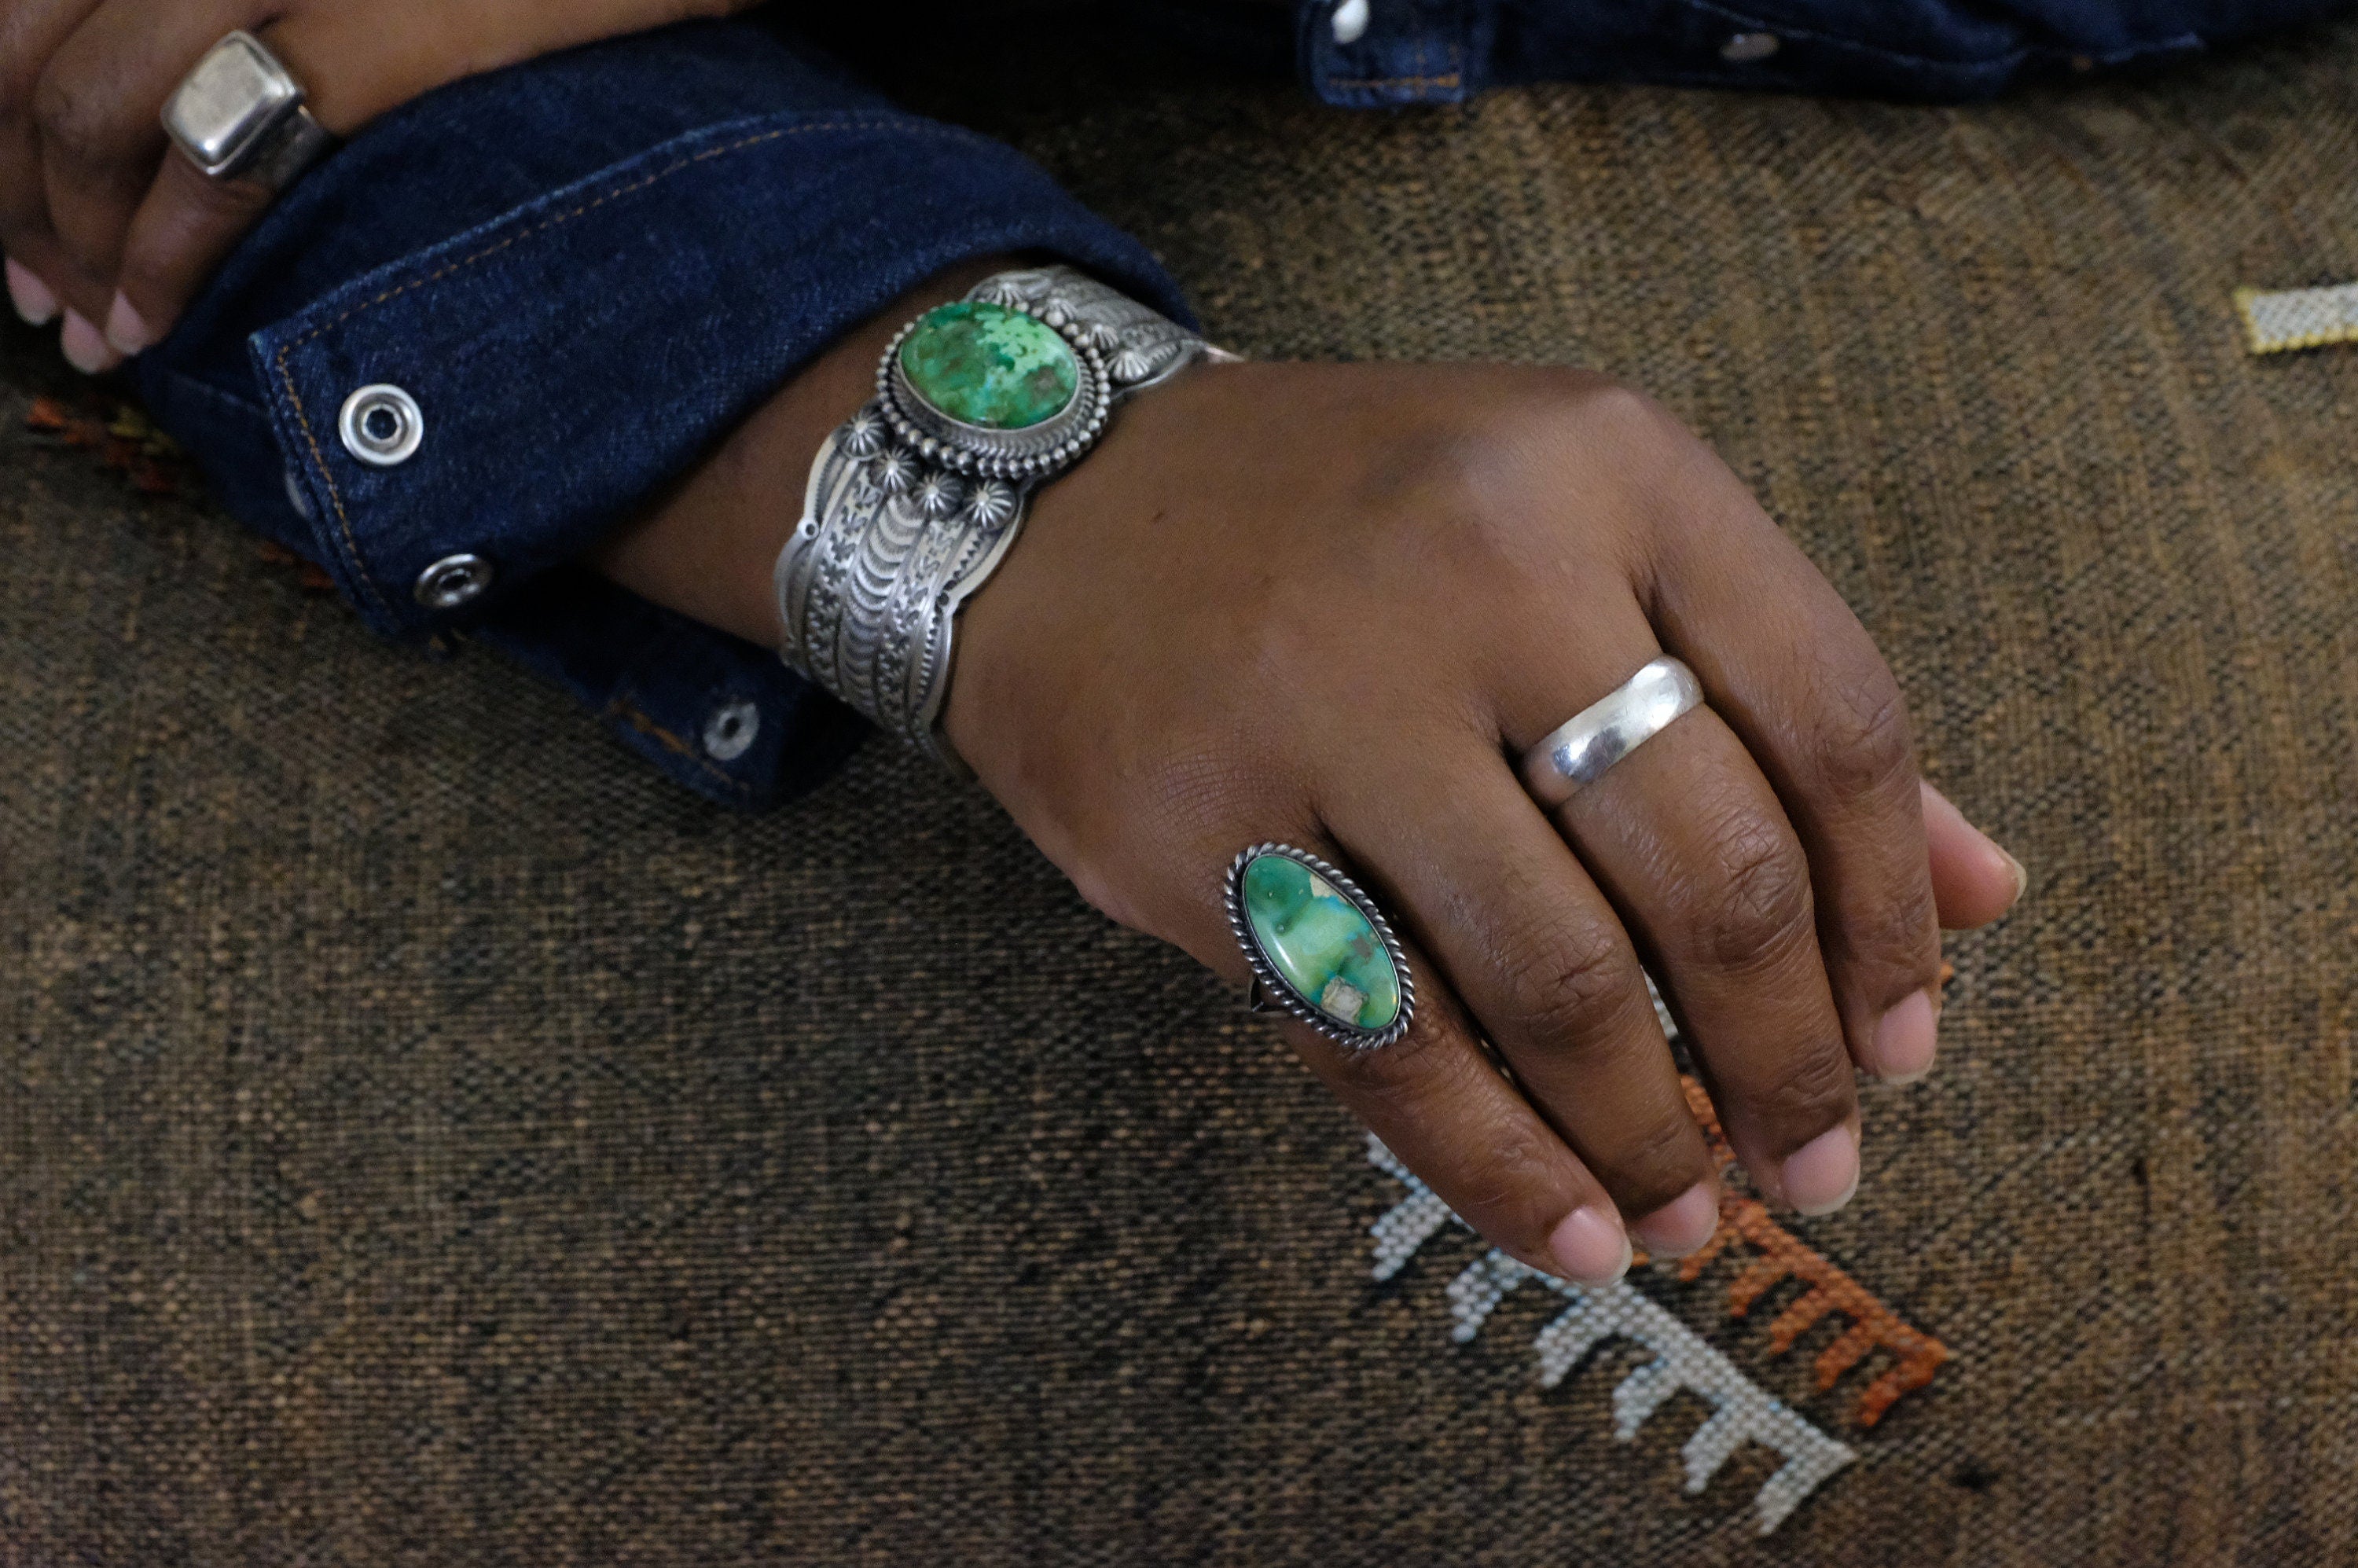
(1320, 949)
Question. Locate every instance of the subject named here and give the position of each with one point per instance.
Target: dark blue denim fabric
(1441, 51)
(588, 269)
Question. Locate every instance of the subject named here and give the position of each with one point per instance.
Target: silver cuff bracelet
(915, 499)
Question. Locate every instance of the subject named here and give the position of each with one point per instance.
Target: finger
(35, 303)
(30, 32)
(183, 231)
(99, 106)
(1689, 842)
(1792, 672)
(1436, 1101)
(1973, 881)
(1492, 890)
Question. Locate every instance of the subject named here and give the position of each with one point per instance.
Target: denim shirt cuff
(568, 357)
(571, 356)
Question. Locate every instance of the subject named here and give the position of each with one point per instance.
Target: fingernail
(1683, 1225)
(31, 296)
(2021, 877)
(1590, 1247)
(1821, 1174)
(127, 329)
(85, 350)
(1905, 1041)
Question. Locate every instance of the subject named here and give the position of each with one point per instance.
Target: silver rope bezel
(1270, 981)
(1031, 453)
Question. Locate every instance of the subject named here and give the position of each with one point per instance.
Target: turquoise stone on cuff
(985, 365)
(1319, 941)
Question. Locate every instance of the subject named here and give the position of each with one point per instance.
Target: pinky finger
(185, 227)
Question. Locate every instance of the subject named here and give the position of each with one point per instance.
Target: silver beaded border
(1034, 452)
(1278, 989)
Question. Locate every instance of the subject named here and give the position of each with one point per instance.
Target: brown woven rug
(427, 1138)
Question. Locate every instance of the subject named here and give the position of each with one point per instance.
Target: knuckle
(1810, 1090)
(1618, 414)
(1668, 1140)
(74, 123)
(1511, 1180)
(1572, 982)
(1105, 890)
(1489, 477)
(1632, 448)
(1659, 1161)
(1863, 749)
(1897, 934)
(1756, 901)
(1402, 1074)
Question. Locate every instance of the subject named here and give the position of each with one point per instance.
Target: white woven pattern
(1742, 1410)
(2298, 317)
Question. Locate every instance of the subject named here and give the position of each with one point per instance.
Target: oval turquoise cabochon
(984, 364)
(1316, 939)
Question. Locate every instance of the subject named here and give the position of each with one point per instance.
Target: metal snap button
(1747, 48)
(1350, 21)
(382, 425)
(453, 582)
(728, 734)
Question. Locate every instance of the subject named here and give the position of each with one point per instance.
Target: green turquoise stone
(1320, 942)
(985, 365)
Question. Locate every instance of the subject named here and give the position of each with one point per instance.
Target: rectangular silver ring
(231, 112)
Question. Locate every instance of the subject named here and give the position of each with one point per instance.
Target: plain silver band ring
(1578, 752)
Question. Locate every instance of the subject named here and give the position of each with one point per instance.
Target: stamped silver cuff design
(908, 510)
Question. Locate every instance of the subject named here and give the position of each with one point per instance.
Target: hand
(1330, 605)
(101, 219)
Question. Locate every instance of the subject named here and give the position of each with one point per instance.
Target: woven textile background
(426, 1137)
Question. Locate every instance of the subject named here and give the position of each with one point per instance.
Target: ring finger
(1690, 843)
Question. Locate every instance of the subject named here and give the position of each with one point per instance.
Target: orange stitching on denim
(621, 709)
(335, 497)
(286, 379)
(1831, 1289)
(1451, 79)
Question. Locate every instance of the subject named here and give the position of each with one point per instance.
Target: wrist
(706, 547)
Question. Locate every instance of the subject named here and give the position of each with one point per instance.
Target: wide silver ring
(1578, 753)
(239, 115)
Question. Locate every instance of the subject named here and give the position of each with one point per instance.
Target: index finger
(1436, 1101)
(1431, 1092)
